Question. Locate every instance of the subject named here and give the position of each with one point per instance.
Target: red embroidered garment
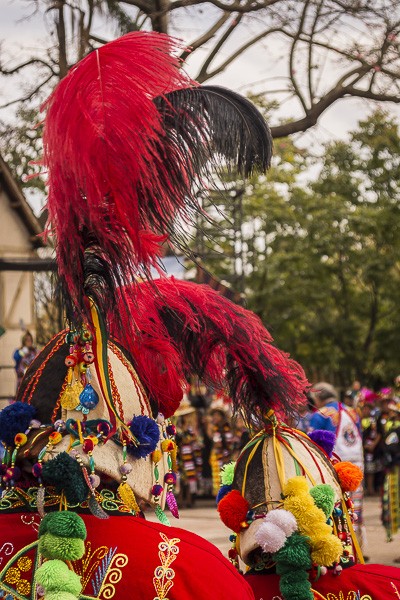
(361, 582)
(126, 558)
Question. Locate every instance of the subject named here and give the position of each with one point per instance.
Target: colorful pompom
(170, 478)
(167, 445)
(233, 509)
(311, 520)
(350, 476)
(55, 438)
(157, 490)
(222, 492)
(327, 550)
(292, 563)
(55, 576)
(283, 519)
(324, 498)
(61, 548)
(59, 595)
(270, 537)
(15, 418)
(171, 430)
(20, 439)
(156, 456)
(37, 470)
(324, 439)
(66, 475)
(63, 524)
(147, 433)
(228, 473)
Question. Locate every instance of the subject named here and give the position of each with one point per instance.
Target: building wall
(16, 294)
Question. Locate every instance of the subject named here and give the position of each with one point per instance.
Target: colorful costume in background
(391, 484)
(344, 422)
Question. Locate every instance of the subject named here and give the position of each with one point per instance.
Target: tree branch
(291, 59)
(203, 73)
(237, 6)
(31, 61)
(30, 95)
(203, 39)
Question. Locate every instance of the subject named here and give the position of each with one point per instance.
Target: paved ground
(204, 521)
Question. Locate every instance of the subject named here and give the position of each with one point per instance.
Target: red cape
(127, 558)
(361, 582)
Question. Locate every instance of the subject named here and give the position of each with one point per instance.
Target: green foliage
(320, 260)
(326, 274)
(21, 145)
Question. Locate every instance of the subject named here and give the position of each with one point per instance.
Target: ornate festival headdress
(130, 142)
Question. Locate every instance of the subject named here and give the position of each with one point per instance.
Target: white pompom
(283, 519)
(270, 537)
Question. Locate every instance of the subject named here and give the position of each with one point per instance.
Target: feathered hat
(286, 500)
(130, 144)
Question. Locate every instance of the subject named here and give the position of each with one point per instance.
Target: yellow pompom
(156, 456)
(326, 548)
(327, 551)
(295, 486)
(167, 445)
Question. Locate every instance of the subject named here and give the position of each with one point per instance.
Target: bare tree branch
(28, 63)
(235, 55)
(203, 39)
(30, 95)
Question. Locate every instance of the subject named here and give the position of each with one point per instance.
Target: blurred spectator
(391, 485)
(373, 451)
(24, 356)
(220, 432)
(334, 416)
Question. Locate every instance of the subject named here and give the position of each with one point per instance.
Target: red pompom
(233, 509)
(349, 476)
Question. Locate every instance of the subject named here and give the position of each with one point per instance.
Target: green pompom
(296, 586)
(228, 473)
(324, 498)
(66, 475)
(59, 596)
(52, 546)
(63, 524)
(55, 577)
(294, 554)
(293, 561)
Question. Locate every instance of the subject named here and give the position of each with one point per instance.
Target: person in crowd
(344, 422)
(24, 355)
(220, 432)
(188, 454)
(391, 484)
(305, 413)
(373, 451)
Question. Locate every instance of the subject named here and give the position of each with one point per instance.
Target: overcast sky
(20, 37)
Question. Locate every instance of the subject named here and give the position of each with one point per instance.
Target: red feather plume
(183, 328)
(102, 150)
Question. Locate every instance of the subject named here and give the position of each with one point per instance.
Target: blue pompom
(223, 491)
(324, 439)
(15, 418)
(147, 434)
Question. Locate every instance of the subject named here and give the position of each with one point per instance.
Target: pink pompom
(283, 519)
(270, 537)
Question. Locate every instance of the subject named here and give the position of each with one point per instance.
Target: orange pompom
(349, 476)
(233, 509)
